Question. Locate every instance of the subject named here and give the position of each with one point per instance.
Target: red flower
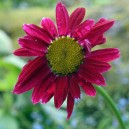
(63, 59)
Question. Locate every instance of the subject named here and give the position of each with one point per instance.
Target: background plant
(93, 113)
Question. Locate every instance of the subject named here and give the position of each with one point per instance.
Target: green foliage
(25, 3)
(13, 26)
(12, 123)
(9, 69)
(17, 111)
(8, 4)
(6, 44)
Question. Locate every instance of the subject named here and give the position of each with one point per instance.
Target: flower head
(64, 61)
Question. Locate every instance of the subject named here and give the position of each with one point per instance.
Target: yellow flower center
(64, 55)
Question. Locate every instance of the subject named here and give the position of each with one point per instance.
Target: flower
(63, 59)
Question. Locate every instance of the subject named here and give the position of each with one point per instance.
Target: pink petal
(47, 80)
(76, 18)
(99, 41)
(35, 46)
(105, 55)
(99, 66)
(83, 29)
(29, 37)
(38, 32)
(79, 79)
(92, 76)
(29, 84)
(30, 69)
(49, 93)
(61, 90)
(89, 88)
(49, 26)
(74, 87)
(26, 52)
(98, 30)
(101, 21)
(86, 45)
(30, 76)
(62, 19)
(70, 105)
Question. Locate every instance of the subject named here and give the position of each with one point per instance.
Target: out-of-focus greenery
(17, 111)
(26, 3)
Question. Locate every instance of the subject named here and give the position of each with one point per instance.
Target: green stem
(112, 105)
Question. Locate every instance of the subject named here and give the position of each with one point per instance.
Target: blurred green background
(18, 112)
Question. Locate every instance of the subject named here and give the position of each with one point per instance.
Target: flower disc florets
(64, 55)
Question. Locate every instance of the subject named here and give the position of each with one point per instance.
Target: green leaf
(5, 44)
(8, 122)
(10, 68)
(16, 61)
(8, 75)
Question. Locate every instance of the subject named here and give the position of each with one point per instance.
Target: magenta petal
(49, 93)
(92, 76)
(39, 90)
(61, 90)
(76, 18)
(79, 79)
(98, 30)
(26, 52)
(99, 41)
(101, 21)
(36, 46)
(35, 80)
(62, 19)
(83, 29)
(105, 55)
(30, 72)
(29, 37)
(70, 105)
(74, 87)
(89, 88)
(99, 66)
(86, 45)
(38, 32)
(31, 68)
(49, 26)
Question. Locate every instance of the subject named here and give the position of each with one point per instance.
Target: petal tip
(34, 101)
(15, 53)
(14, 92)
(24, 25)
(68, 117)
(59, 3)
(104, 84)
(58, 106)
(92, 95)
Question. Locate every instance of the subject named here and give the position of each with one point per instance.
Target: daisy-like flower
(63, 59)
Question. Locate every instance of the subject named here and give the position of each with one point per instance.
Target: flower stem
(112, 105)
